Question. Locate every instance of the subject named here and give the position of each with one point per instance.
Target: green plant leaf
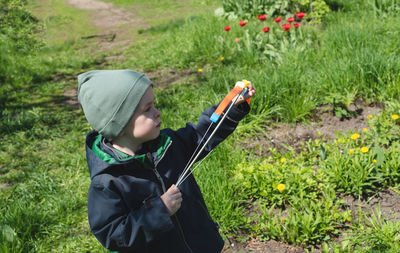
(322, 153)
(8, 233)
(379, 155)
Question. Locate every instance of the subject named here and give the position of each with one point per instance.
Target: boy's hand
(249, 94)
(172, 199)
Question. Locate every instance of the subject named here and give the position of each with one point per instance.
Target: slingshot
(229, 100)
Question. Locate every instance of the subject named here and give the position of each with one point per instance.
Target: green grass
(351, 55)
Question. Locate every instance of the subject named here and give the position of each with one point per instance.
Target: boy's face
(145, 123)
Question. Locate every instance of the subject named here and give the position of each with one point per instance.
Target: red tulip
(242, 23)
(278, 20)
(227, 28)
(296, 25)
(286, 27)
(290, 20)
(266, 29)
(262, 17)
(300, 15)
(237, 40)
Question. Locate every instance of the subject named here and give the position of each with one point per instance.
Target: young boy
(133, 204)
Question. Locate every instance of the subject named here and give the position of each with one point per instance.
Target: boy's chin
(155, 136)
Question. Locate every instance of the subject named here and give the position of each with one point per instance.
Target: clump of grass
(372, 233)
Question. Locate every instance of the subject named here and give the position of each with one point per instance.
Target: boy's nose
(157, 113)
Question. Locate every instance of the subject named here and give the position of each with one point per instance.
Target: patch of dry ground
(165, 77)
(256, 246)
(325, 124)
(71, 98)
(387, 201)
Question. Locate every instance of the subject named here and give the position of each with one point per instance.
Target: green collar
(157, 147)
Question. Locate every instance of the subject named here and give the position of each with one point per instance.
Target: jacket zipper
(160, 179)
(150, 157)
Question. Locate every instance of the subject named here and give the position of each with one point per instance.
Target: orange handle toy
(239, 88)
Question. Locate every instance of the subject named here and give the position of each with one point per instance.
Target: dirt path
(117, 26)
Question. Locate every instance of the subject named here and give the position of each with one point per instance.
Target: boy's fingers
(250, 93)
(173, 188)
(174, 192)
(177, 195)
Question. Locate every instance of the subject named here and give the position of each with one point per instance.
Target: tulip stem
(311, 10)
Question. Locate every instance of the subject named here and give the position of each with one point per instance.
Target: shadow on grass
(23, 117)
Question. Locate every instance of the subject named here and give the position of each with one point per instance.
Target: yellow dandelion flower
(374, 161)
(351, 151)
(395, 116)
(355, 136)
(365, 129)
(283, 159)
(200, 70)
(281, 187)
(369, 116)
(364, 149)
(222, 58)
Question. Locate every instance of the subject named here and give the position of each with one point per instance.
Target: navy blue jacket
(125, 210)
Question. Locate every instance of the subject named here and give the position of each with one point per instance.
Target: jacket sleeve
(119, 228)
(191, 135)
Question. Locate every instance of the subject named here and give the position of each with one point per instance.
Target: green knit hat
(109, 98)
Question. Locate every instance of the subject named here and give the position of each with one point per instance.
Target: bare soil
(165, 77)
(324, 124)
(257, 246)
(71, 98)
(387, 201)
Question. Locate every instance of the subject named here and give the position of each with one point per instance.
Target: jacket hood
(100, 157)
